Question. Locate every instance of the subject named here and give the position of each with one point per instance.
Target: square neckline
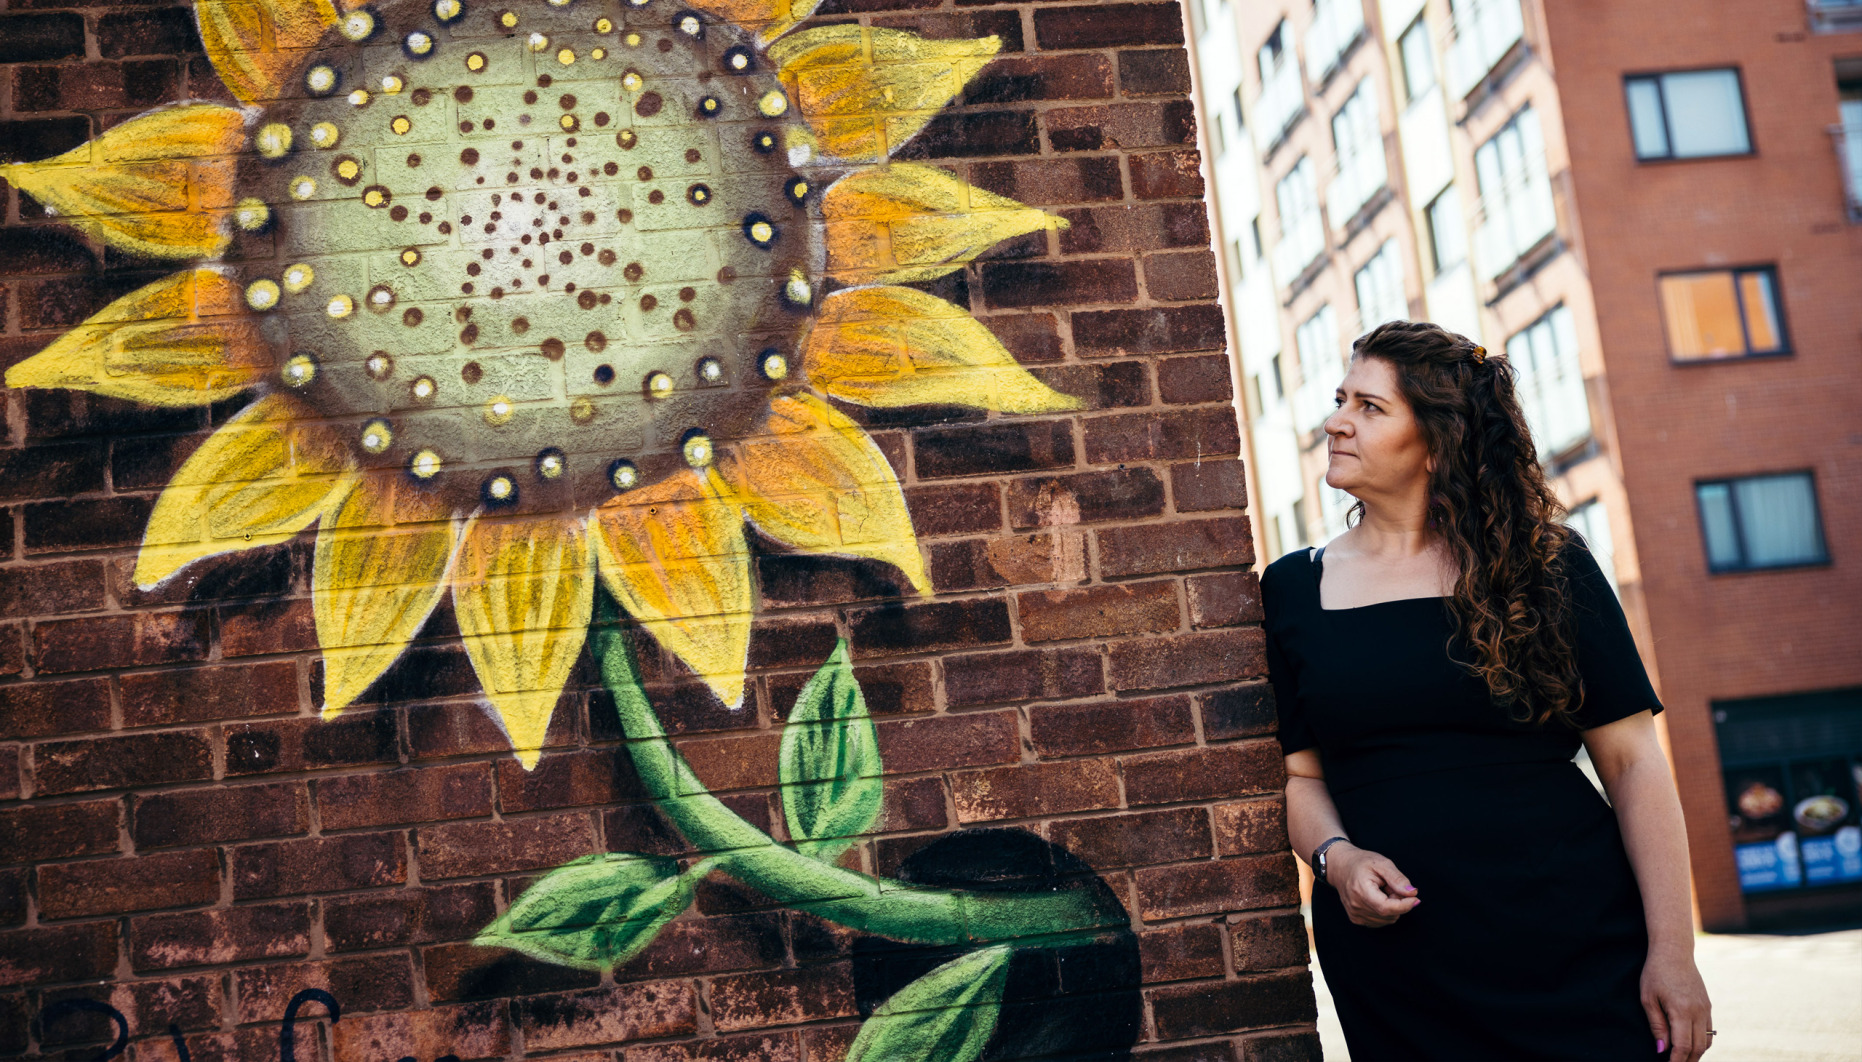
(1316, 564)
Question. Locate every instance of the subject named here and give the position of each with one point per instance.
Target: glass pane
(1758, 294)
(1447, 235)
(1779, 517)
(1705, 116)
(1702, 315)
(1418, 60)
(1645, 119)
(1592, 521)
(1716, 523)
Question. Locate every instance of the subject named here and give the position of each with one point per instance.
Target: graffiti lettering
(287, 1028)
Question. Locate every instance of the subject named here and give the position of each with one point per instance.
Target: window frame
(1739, 530)
(1661, 95)
(1437, 266)
(1785, 348)
(1420, 24)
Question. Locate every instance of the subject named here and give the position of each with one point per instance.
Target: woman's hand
(1675, 999)
(1374, 892)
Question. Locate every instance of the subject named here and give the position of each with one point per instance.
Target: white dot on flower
(538, 42)
(320, 79)
(447, 10)
(379, 365)
(357, 25)
(297, 277)
(359, 98)
(710, 370)
(392, 84)
(659, 385)
(419, 43)
(325, 134)
(775, 366)
(252, 214)
(500, 488)
(262, 294)
(340, 306)
(425, 465)
(624, 475)
(377, 436)
(798, 290)
(274, 140)
(498, 411)
(299, 370)
(423, 388)
(773, 104)
(550, 464)
(698, 451)
(303, 187)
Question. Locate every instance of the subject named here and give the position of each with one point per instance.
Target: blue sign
(1831, 859)
(1772, 865)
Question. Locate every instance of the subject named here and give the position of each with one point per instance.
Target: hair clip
(1480, 355)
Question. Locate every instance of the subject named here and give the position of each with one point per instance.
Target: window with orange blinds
(1723, 313)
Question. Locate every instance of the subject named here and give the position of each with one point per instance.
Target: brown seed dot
(566, 101)
(693, 155)
(462, 313)
(634, 271)
(587, 248)
(413, 161)
(553, 348)
(465, 219)
(596, 342)
(425, 218)
(498, 293)
(517, 145)
(491, 123)
(645, 173)
(466, 127)
(473, 269)
(530, 97)
(566, 257)
(543, 81)
(471, 372)
(466, 287)
(601, 118)
(687, 294)
(604, 374)
(444, 227)
(610, 169)
(656, 197)
(649, 105)
(485, 254)
(586, 300)
(469, 156)
(606, 258)
(684, 321)
(544, 279)
(434, 194)
(726, 275)
(411, 317)
(536, 173)
(625, 215)
(606, 298)
(520, 325)
(665, 45)
(463, 94)
(510, 178)
(399, 213)
(422, 97)
(469, 334)
(648, 302)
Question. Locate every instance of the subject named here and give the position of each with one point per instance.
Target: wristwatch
(1318, 858)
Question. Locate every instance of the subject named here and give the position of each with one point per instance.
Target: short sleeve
(1295, 733)
(1616, 685)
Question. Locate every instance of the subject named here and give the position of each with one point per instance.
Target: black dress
(1529, 941)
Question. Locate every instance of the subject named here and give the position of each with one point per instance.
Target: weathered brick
(407, 795)
(1182, 890)
(1167, 175)
(470, 849)
(222, 935)
(607, 1015)
(1023, 675)
(571, 779)
(1034, 78)
(318, 864)
(1098, 611)
(1034, 789)
(142, 639)
(1111, 726)
(474, 1030)
(54, 709)
(913, 804)
(1080, 282)
(1247, 826)
(947, 741)
(1180, 1012)
(408, 916)
(1109, 385)
(1085, 497)
(466, 971)
(1180, 953)
(40, 590)
(770, 1047)
(152, 1006)
(1137, 333)
(1115, 126)
(992, 449)
(84, 523)
(1137, 839)
(1239, 711)
(1212, 772)
(1052, 182)
(1154, 72)
(1199, 486)
(1107, 25)
(375, 982)
(55, 955)
(220, 814)
(309, 743)
(201, 694)
(1182, 546)
(39, 36)
(974, 134)
(1198, 378)
(792, 642)
(1188, 659)
(121, 762)
(1149, 436)
(719, 944)
(1224, 600)
(13, 889)
(142, 883)
(41, 138)
(928, 627)
(1282, 1047)
(1005, 560)
(1181, 277)
(1032, 337)
(783, 997)
(262, 628)
(442, 730)
(161, 31)
(736, 762)
(106, 85)
(34, 833)
(1269, 941)
(889, 689)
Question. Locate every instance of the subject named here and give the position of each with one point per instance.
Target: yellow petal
(522, 593)
(772, 17)
(258, 46)
(818, 483)
(185, 340)
(382, 557)
(267, 474)
(900, 347)
(673, 554)
(906, 223)
(866, 91)
(157, 185)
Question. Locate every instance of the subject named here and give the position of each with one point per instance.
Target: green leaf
(945, 1016)
(830, 762)
(596, 912)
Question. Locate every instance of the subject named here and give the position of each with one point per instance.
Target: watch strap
(1318, 856)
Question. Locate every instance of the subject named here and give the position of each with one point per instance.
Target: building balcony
(1512, 220)
(1283, 100)
(1301, 243)
(1484, 31)
(1835, 16)
(1337, 25)
(1360, 176)
(1849, 157)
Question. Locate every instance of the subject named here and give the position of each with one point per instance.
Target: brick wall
(189, 849)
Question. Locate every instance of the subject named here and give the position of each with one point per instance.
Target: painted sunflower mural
(535, 294)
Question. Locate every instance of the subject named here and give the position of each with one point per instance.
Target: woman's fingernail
(1660, 1046)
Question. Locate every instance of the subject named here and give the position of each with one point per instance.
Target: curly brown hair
(1489, 501)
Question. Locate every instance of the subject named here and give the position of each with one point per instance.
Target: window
(1544, 356)
(1849, 140)
(1280, 381)
(1418, 60)
(1320, 369)
(1336, 26)
(1484, 32)
(1380, 288)
(1359, 143)
(1448, 235)
(1273, 51)
(1283, 97)
(1693, 115)
(1235, 260)
(1218, 135)
(1254, 233)
(1516, 210)
(1241, 120)
(1722, 313)
(1302, 234)
(1761, 522)
(1592, 521)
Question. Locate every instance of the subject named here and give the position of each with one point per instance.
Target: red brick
(1031, 337)
(772, 1047)
(992, 449)
(376, 982)
(1034, 789)
(51, 589)
(1183, 890)
(570, 779)
(983, 563)
(1281, 1047)
(152, 1006)
(1111, 726)
(1188, 659)
(318, 864)
(1225, 600)
(479, 848)
(1129, 126)
(946, 741)
(717, 944)
(1136, 839)
(133, 85)
(1162, 330)
(54, 709)
(406, 795)
(162, 31)
(34, 833)
(38, 36)
(13, 889)
(202, 694)
(286, 626)
(974, 134)
(727, 763)
(1270, 941)
(1251, 826)
(1098, 611)
(1108, 25)
(961, 509)
(928, 627)
(1205, 773)
(1167, 175)
(441, 730)
(1200, 486)
(1052, 182)
(1085, 498)
(1180, 953)
(1198, 378)
(142, 639)
(1239, 711)
(1080, 282)
(1130, 229)
(1105, 385)
(607, 1015)
(455, 972)
(121, 762)
(309, 743)
(57, 955)
(472, 1031)
(1181, 277)
(223, 935)
(1181, 1012)
(782, 997)
(1151, 436)
(1029, 78)
(408, 916)
(112, 886)
(913, 804)
(1154, 72)
(1022, 675)
(10, 786)
(220, 814)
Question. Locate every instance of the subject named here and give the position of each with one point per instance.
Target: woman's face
(1374, 444)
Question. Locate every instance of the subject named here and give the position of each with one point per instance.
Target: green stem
(889, 908)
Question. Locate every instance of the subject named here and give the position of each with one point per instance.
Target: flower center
(533, 255)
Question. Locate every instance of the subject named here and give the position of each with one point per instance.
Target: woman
(1436, 668)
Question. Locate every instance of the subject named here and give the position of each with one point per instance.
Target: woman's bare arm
(1370, 886)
